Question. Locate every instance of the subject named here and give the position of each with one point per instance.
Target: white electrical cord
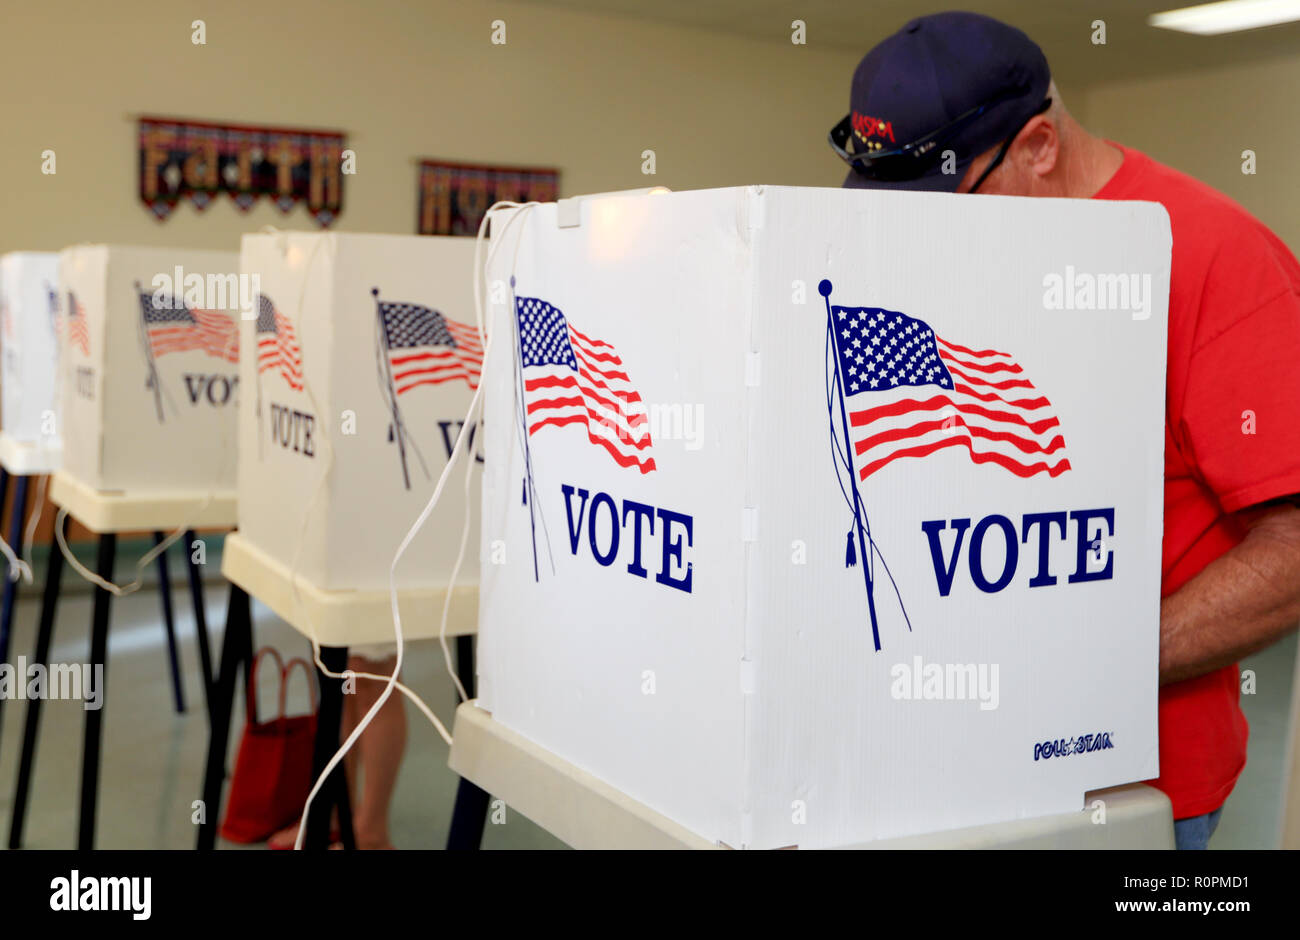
(117, 590)
(471, 420)
(466, 430)
(390, 681)
(300, 606)
(34, 519)
(18, 568)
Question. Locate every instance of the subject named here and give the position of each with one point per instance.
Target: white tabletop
(116, 511)
(25, 459)
(345, 618)
(588, 813)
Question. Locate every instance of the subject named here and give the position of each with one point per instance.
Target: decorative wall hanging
(454, 196)
(198, 160)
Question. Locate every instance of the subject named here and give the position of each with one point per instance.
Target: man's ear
(1037, 146)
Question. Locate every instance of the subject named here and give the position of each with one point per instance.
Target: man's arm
(1239, 603)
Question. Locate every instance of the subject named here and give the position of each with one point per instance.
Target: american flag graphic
(78, 334)
(427, 348)
(277, 345)
(909, 393)
(174, 326)
(570, 378)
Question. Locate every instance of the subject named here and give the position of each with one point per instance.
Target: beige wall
(1201, 122)
(584, 92)
(405, 79)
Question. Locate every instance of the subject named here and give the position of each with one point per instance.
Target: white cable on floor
(17, 567)
(471, 419)
(34, 519)
(115, 589)
(391, 681)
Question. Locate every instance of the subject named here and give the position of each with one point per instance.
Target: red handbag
(273, 769)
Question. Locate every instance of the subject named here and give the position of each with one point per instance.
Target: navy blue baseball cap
(950, 81)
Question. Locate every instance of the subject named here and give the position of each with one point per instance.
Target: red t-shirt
(1234, 347)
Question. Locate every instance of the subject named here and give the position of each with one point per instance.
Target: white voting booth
(815, 517)
(29, 424)
(369, 341)
(358, 371)
(147, 385)
(148, 371)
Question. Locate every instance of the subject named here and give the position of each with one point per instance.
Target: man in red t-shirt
(958, 102)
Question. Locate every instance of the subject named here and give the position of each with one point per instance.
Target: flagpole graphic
(151, 381)
(393, 407)
(420, 347)
(529, 488)
(859, 510)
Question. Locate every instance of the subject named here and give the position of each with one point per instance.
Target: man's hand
(1239, 603)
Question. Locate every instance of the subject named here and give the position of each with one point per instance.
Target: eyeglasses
(913, 159)
(1006, 144)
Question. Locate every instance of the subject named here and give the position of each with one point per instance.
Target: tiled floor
(153, 758)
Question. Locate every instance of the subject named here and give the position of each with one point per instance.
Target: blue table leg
(95, 716)
(16, 521)
(169, 622)
(236, 654)
(31, 727)
(469, 814)
(200, 621)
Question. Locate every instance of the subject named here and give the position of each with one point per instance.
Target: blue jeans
(1194, 832)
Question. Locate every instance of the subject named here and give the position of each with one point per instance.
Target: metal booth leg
(10, 583)
(31, 726)
(169, 624)
(469, 815)
(200, 620)
(236, 652)
(334, 794)
(16, 521)
(95, 716)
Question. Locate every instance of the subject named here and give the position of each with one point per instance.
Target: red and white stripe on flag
(599, 395)
(993, 412)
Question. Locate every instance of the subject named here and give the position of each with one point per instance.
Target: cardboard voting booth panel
(360, 367)
(815, 516)
(149, 353)
(29, 424)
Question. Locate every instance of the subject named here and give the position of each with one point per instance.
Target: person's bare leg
(381, 746)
